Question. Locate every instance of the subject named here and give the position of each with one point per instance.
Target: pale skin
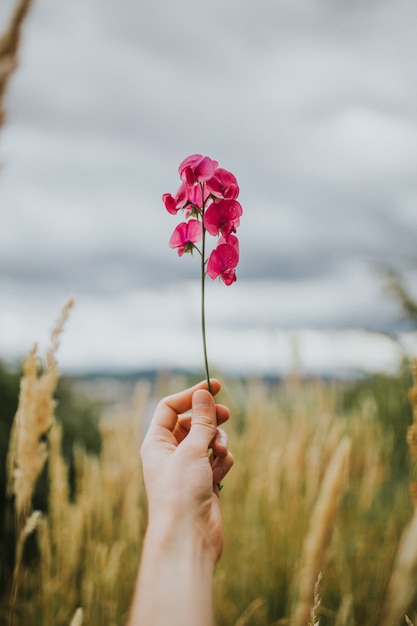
(185, 456)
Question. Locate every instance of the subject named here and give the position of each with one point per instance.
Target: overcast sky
(312, 104)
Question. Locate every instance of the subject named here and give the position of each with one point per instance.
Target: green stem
(203, 314)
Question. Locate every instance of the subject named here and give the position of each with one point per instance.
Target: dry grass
(320, 532)
(316, 533)
(283, 521)
(403, 587)
(86, 540)
(9, 46)
(28, 442)
(34, 419)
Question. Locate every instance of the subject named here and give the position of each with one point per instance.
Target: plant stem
(203, 308)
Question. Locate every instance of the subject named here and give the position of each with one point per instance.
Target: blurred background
(311, 104)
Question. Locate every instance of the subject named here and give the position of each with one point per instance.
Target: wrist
(179, 539)
(176, 572)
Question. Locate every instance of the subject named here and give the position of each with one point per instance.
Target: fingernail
(201, 398)
(221, 438)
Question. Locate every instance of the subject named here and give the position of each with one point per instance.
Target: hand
(185, 456)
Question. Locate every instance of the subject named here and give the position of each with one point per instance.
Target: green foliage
(78, 416)
(397, 289)
(9, 391)
(387, 397)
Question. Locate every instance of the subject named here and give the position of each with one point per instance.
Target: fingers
(219, 443)
(203, 422)
(168, 409)
(221, 459)
(183, 425)
(191, 417)
(221, 466)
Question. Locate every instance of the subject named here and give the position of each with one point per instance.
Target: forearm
(175, 582)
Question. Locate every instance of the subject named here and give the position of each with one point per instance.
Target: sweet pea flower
(174, 203)
(223, 184)
(187, 197)
(197, 168)
(197, 196)
(185, 236)
(207, 196)
(223, 260)
(222, 217)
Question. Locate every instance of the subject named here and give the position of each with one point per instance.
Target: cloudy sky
(312, 104)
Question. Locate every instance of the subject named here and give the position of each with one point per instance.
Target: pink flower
(223, 260)
(185, 235)
(174, 203)
(222, 217)
(197, 168)
(223, 184)
(195, 198)
(187, 197)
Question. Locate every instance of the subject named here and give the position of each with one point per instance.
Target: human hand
(185, 456)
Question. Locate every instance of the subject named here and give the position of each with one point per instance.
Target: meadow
(319, 511)
(319, 516)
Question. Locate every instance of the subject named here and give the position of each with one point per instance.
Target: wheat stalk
(34, 417)
(77, 620)
(315, 611)
(28, 449)
(32, 523)
(412, 430)
(320, 532)
(9, 46)
(402, 587)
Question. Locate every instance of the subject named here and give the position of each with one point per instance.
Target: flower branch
(207, 197)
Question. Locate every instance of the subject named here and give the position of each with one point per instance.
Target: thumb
(203, 420)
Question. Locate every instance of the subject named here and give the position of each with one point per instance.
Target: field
(318, 510)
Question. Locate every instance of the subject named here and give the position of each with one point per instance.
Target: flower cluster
(207, 195)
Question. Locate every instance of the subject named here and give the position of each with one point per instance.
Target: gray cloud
(311, 104)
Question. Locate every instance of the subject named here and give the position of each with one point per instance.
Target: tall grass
(9, 47)
(319, 526)
(295, 458)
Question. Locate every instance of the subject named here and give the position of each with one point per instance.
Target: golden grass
(320, 531)
(412, 430)
(402, 587)
(282, 526)
(28, 442)
(34, 418)
(316, 532)
(9, 46)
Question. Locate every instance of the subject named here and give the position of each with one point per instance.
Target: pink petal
(184, 234)
(228, 277)
(222, 216)
(223, 258)
(174, 203)
(178, 238)
(170, 203)
(214, 265)
(204, 170)
(189, 161)
(195, 231)
(195, 195)
(223, 184)
(182, 196)
(196, 168)
(232, 240)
